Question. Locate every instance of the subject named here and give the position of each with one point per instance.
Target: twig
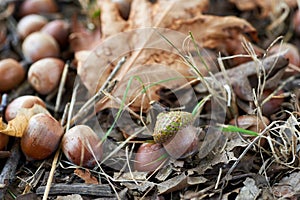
(3, 104)
(51, 174)
(61, 87)
(9, 169)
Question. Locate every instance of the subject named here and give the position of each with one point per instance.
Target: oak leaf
(147, 46)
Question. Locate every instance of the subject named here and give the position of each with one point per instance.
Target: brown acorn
(150, 157)
(26, 101)
(42, 137)
(184, 143)
(82, 146)
(3, 141)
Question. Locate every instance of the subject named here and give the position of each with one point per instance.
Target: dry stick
(51, 174)
(9, 169)
(61, 87)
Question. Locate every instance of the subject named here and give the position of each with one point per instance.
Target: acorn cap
(169, 123)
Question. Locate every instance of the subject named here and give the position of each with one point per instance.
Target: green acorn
(169, 123)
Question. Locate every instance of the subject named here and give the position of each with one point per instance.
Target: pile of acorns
(42, 41)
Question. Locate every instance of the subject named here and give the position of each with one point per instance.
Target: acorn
(39, 45)
(184, 143)
(41, 137)
(169, 123)
(26, 101)
(150, 157)
(44, 75)
(59, 30)
(12, 74)
(29, 24)
(37, 7)
(3, 141)
(82, 146)
(273, 105)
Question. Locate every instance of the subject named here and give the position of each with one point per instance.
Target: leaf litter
(235, 163)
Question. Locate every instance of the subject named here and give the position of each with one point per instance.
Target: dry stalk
(61, 87)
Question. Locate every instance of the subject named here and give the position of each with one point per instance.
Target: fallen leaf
(148, 47)
(130, 176)
(146, 77)
(210, 31)
(143, 13)
(17, 126)
(176, 183)
(288, 187)
(249, 191)
(223, 152)
(86, 176)
(141, 187)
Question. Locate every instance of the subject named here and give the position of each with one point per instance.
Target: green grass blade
(231, 128)
(122, 105)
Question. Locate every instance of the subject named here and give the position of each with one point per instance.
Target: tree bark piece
(102, 190)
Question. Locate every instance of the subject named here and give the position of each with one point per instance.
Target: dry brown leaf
(143, 14)
(211, 31)
(148, 75)
(288, 187)
(86, 176)
(145, 46)
(156, 59)
(173, 184)
(18, 125)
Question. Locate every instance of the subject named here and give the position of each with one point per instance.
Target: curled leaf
(18, 125)
(86, 176)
